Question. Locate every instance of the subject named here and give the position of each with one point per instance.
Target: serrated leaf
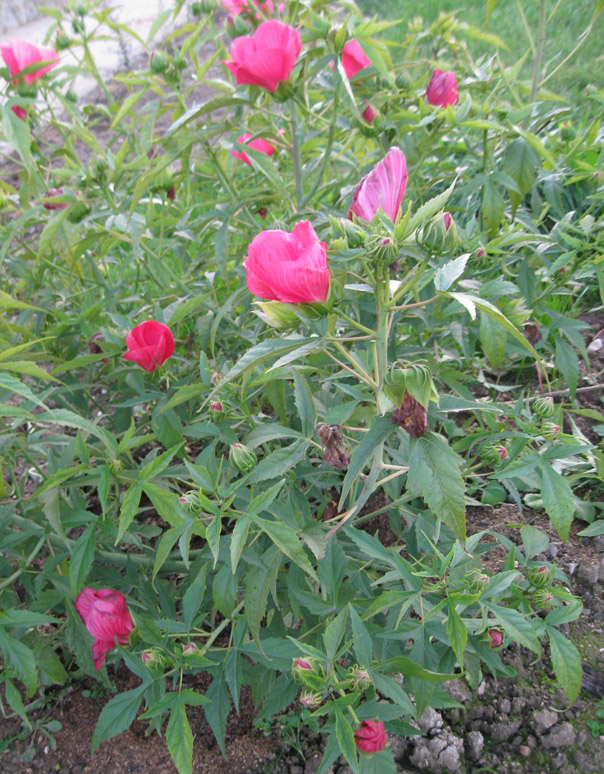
(21, 659)
(279, 462)
(493, 338)
(238, 539)
(258, 583)
(82, 558)
(128, 510)
(213, 532)
(447, 274)
(490, 8)
(380, 429)
(520, 164)
(566, 661)
(179, 737)
(362, 646)
(434, 470)
(493, 207)
(117, 715)
(457, 632)
(304, 403)
(567, 362)
(429, 209)
(558, 499)
(288, 542)
(193, 597)
(218, 708)
(345, 736)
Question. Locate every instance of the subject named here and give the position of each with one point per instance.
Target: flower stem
(297, 155)
(535, 83)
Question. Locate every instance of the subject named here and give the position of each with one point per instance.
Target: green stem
(297, 155)
(537, 58)
(327, 152)
(382, 300)
(221, 627)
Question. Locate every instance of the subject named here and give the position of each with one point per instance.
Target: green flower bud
(242, 458)
(202, 6)
(277, 314)
(539, 576)
(438, 235)
(307, 672)
(159, 62)
(100, 167)
(544, 407)
(71, 95)
(78, 211)
(355, 235)
(492, 454)
(359, 677)
(3, 200)
(77, 25)
(543, 599)
(403, 81)
(550, 430)
(310, 699)
(62, 41)
(154, 659)
(163, 180)
(476, 581)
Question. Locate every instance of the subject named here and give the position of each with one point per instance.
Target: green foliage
(231, 493)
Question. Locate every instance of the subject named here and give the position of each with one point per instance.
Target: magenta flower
(370, 736)
(19, 54)
(54, 205)
(496, 638)
(266, 57)
(383, 188)
(353, 58)
(106, 616)
(149, 344)
(291, 268)
(257, 144)
(369, 113)
(442, 89)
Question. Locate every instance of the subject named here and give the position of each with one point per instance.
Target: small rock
(504, 729)
(458, 690)
(505, 706)
(524, 750)
(598, 543)
(562, 736)
(345, 770)
(552, 551)
(312, 765)
(296, 770)
(481, 688)
(399, 745)
(474, 742)
(518, 704)
(572, 567)
(544, 719)
(431, 720)
(595, 346)
(588, 573)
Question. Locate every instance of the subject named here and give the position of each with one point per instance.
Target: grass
(570, 20)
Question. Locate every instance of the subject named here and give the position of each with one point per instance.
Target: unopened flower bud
(277, 314)
(544, 406)
(78, 211)
(216, 377)
(480, 253)
(476, 581)
(159, 62)
(310, 699)
(190, 649)
(359, 676)
(550, 430)
(438, 235)
(189, 500)
(492, 454)
(62, 41)
(495, 638)
(542, 598)
(153, 659)
(539, 576)
(241, 457)
(369, 113)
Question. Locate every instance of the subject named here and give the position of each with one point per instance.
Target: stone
(552, 551)
(458, 690)
(474, 742)
(588, 573)
(399, 745)
(518, 704)
(439, 755)
(544, 719)
(504, 729)
(431, 720)
(563, 735)
(598, 543)
(524, 750)
(312, 766)
(505, 706)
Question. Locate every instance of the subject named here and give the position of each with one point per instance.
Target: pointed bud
(543, 599)
(242, 458)
(310, 699)
(495, 638)
(476, 581)
(544, 407)
(493, 454)
(359, 677)
(438, 235)
(277, 314)
(539, 576)
(550, 430)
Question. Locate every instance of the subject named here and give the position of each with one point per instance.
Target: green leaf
(179, 737)
(334, 633)
(434, 470)
(117, 715)
(558, 499)
(493, 207)
(451, 271)
(279, 462)
(13, 697)
(287, 540)
(345, 735)
(238, 539)
(258, 582)
(193, 597)
(213, 535)
(410, 668)
(458, 634)
(82, 558)
(597, 528)
(363, 648)
(380, 429)
(218, 708)
(567, 362)
(16, 386)
(520, 164)
(264, 499)
(224, 591)
(128, 510)
(516, 626)
(158, 465)
(490, 8)
(21, 659)
(429, 209)
(493, 338)
(304, 403)
(566, 661)
(381, 762)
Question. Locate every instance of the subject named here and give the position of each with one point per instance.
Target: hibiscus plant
(267, 338)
